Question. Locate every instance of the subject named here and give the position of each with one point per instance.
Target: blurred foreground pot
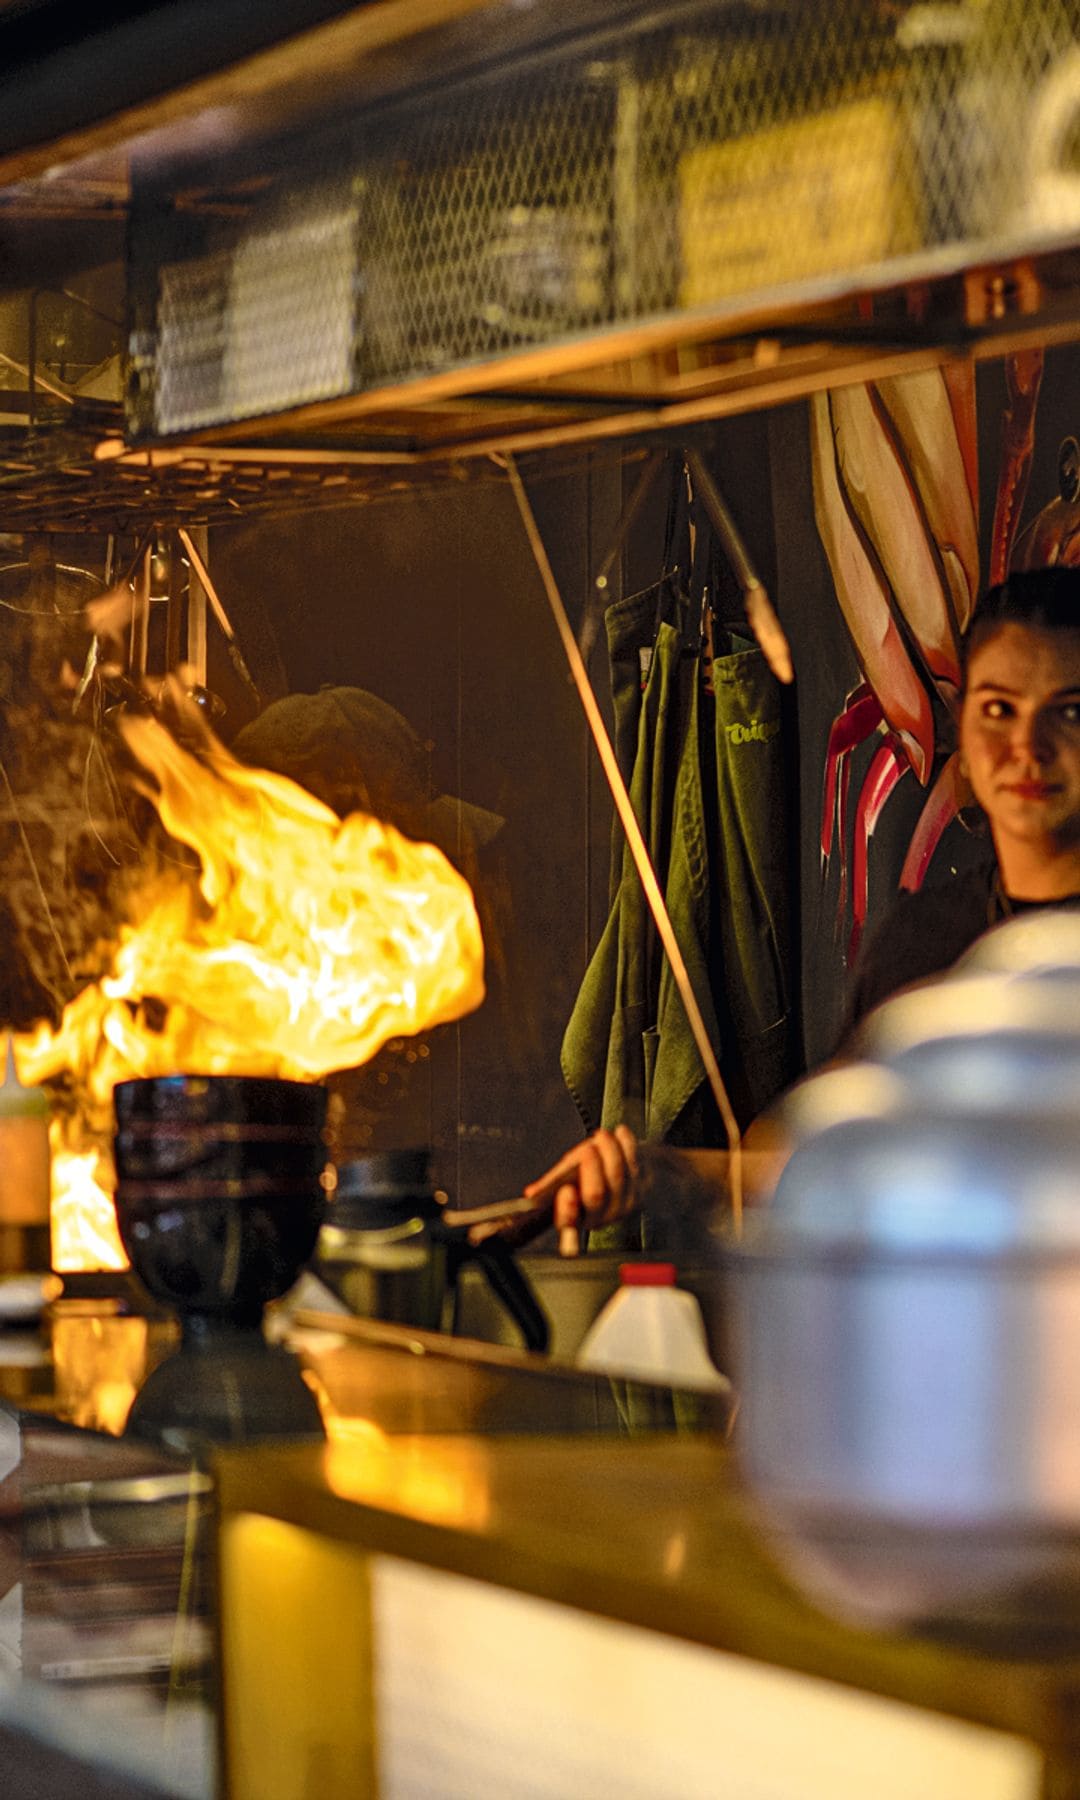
(907, 1326)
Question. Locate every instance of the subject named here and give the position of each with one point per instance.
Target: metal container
(912, 1342)
(386, 1250)
(986, 1042)
(906, 1319)
(1043, 943)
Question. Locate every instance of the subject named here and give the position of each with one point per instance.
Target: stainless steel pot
(912, 1342)
(906, 1320)
(910, 1379)
(1033, 944)
(984, 1043)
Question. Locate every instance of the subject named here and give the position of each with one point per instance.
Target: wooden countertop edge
(757, 1615)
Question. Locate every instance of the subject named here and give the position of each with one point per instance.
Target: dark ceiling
(65, 68)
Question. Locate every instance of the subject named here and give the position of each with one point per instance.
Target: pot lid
(1046, 942)
(983, 1044)
(936, 1181)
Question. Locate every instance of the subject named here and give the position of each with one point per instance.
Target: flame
(84, 1229)
(300, 945)
(99, 1366)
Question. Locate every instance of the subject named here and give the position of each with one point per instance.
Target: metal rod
(140, 616)
(597, 598)
(630, 512)
(141, 545)
(174, 621)
(36, 381)
(219, 612)
(638, 849)
(727, 530)
(196, 615)
(203, 573)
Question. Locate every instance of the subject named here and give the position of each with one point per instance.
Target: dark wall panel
(434, 603)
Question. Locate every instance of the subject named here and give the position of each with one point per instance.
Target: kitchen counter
(452, 1480)
(106, 1601)
(659, 1536)
(105, 1370)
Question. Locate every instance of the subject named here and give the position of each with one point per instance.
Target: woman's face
(1020, 734)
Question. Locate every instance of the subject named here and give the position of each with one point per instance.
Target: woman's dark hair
(1047, 599)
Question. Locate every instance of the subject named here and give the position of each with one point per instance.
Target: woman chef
(1020, 752)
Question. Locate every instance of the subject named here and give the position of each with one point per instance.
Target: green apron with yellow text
(708, 786)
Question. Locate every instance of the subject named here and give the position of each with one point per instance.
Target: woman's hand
(594, 1183)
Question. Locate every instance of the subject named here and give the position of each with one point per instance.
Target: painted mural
(895, 482)
(895, 469)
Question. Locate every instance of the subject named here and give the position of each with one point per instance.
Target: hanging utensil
(761, 615)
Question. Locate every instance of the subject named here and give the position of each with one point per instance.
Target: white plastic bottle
(651, 1330)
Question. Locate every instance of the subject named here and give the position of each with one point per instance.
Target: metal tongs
(533, 1210)
(680, 1192)
(496, 1210)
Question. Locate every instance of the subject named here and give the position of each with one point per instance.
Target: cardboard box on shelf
(829, 191)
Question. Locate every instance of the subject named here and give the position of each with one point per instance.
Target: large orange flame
(301, 945)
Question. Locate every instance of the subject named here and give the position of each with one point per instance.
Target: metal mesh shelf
(62, 484)
(699, 160)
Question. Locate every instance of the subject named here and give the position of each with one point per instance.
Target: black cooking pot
(219, 1191)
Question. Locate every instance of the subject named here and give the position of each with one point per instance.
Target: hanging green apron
(629, 1054)
(751, 919)
(708, 782)
(603, 1057)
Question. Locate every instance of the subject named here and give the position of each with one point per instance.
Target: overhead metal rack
(69, 483)
(584, 220)
(78, 473)
(423, 236)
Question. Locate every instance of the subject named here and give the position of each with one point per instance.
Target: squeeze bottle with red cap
(651, 1330)
(24, 1172)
